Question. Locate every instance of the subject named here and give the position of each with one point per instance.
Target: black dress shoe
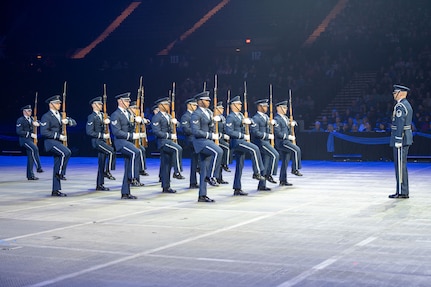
(239, 192)
(108, 175)
(270, 179)
(198, 170)
(39, 170)
(128, 196)
(221, 181)
(136, 183)
(211, 180)
(178, 175)
(258, 176)
(285, 183)
(194, 185)
(58, 193)
(60, 177)
(169, 190)
(144, 173)
(396, 195)
(205, 198)
(264, 188)
(296, 172)
(33, 178)
(226, 168)
(101, 187)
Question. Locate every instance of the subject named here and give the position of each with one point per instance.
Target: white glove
(214, 136)
(145, 121)
(138, 119)
(36, 123)
(246, 121)
(34, 136)
(291, 138)
(63, 138)
(106, 136)
(142, 135)
(273, 122)
(217, 118)
(106, 121)
(135, 136)
(226, 137)
(293, 123)
(174, 121)
(247, 137)
(270, 136)
(174, 136)
(398, 145)
(64, 121)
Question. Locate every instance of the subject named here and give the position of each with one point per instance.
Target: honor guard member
(294, 149)
(210, 154)
(95, 128)
(239, 144)
(170, 152)
(401, 139)
(122, 129)
(282, 140)
(223, 141)
(50, 129)
(24, 130)
(191, 106)
(143, 156)
(261, 136)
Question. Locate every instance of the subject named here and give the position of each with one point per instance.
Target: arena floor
(335, 226)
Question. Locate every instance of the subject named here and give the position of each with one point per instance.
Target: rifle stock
(136, 113)
(215, 107)
(247, 127)
(35, 119)
(292, 128)
(143, 127)
(105, 115)
(271, 114)
(64, 116)
(173, 126)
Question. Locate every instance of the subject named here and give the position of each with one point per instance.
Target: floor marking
(304, 275)
(164, 247)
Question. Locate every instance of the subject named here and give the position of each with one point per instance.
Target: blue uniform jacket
(24, 129)
(259, 128)
(401, 128)
(161, 127)
(202, 128)
(281, 129)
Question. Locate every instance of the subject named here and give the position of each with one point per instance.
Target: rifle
(64, 126)
(137, 125)
(105, 115)
(215, 107)
(292, 128)
(143, 127)
(173, 126)
(247, 128)
(35, 119)
(227, 102)
(271, 114)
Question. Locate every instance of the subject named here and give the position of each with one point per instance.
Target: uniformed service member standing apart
(223, 141)
(239, 144)
(95, 128)
(261, 136)
(401, 139)
(24, 130)
(191, 106)
(210, 154)
(123, 131)
(51, 129)
(282, 140)
(171, 153)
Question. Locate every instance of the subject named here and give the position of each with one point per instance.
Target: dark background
(37, 39)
